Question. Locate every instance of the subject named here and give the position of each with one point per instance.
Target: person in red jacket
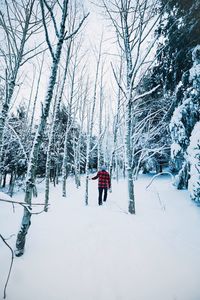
(103, 183)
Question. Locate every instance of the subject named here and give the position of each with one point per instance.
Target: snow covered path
(101, 253)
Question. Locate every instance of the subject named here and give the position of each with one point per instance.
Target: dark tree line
(18, 143)
(177, 73)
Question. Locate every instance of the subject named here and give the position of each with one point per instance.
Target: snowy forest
(91, 83)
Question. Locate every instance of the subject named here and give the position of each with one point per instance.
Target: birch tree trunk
(128, 145)
(53, 128)
(36, 94)
(68, 126)
(84, 96)
(101, 102)
(113, 159)
(91, 123)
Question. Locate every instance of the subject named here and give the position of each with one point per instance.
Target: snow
(76, 252)
(175, 149)
(176, 125)
(4, 196)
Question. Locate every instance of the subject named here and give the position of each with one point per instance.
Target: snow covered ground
(75, 252)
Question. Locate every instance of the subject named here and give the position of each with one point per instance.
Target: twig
(121, 209)
(11, 264)
(13, 207)
(161, 203)
(8, 238)
(41, 180)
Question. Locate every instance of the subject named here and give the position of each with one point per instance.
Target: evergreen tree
(184, 118)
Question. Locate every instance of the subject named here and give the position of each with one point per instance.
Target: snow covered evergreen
(183, 121)
(194, 160)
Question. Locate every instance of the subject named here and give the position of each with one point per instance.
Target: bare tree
(61, 34)
(72, 106)
(133, 22)
(18, 23)
(90, 119)
(100, 159)
(116, 125)
(36, 93)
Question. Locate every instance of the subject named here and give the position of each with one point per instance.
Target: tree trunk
(87, 170)
(100, 161)
(53, 129)
(36, 95)
(131, 207)
(12, 183)
(91, 123)
(183, 177)
(4, 179)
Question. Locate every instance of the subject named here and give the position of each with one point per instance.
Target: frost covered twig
(11, 264)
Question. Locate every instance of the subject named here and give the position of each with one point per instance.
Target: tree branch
(11, 264)
(53, 18)
(146, 93)
(77, 29)
(45, 29)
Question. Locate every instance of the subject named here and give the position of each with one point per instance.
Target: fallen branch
(25, 205)
(22, 203)
(11, 264)
(172, 176)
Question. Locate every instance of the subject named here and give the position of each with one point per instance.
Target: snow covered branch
(146, 93)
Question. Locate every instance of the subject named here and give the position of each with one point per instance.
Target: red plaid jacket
(104, 179)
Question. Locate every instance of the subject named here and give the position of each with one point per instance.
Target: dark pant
(104, 196)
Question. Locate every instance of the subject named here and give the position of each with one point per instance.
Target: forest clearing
(96, 252)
